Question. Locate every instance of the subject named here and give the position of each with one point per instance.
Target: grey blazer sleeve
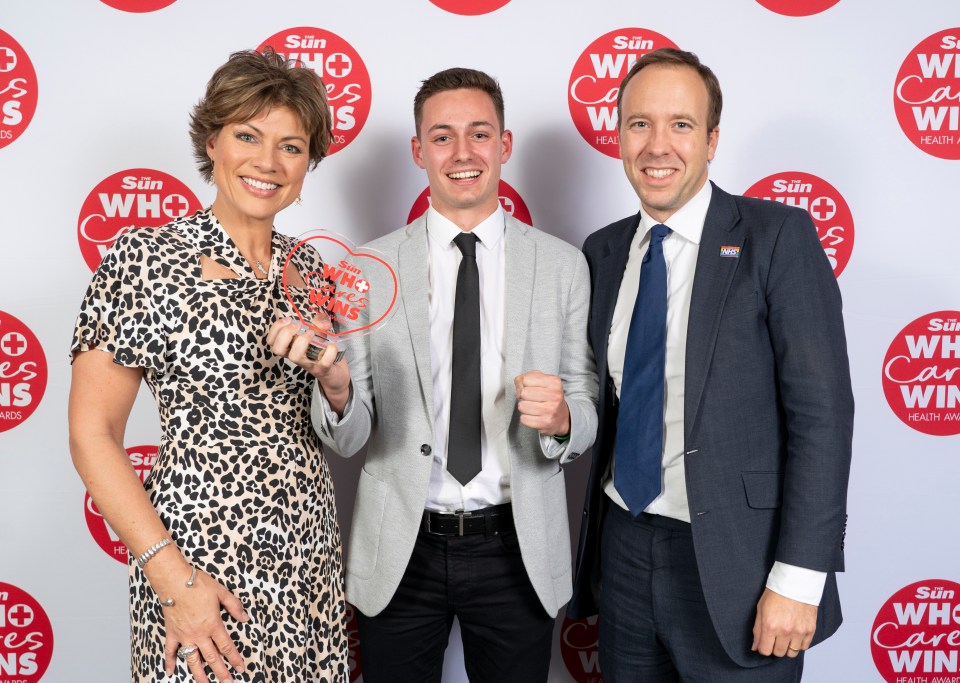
(577, 368)
(350, 433)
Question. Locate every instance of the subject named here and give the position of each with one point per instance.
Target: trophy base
(314, 351)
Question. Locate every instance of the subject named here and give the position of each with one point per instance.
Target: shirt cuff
(797, 583)
(551, 447)
(330, 415)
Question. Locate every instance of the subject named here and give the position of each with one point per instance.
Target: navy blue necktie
(463, 443)
(639, 444)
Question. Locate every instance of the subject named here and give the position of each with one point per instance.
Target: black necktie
(639, 442)
(463, 444)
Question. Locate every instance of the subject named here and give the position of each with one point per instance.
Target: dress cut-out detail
(211, 270)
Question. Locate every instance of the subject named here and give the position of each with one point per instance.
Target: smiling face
(664, 141)
(258, 166)
(460, 146)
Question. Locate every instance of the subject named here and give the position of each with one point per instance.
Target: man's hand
(783, 626)
(541, 403)
(288, 338)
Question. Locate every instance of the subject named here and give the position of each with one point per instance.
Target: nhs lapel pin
(730, 252)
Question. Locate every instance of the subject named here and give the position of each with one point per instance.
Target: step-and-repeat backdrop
(848, 108)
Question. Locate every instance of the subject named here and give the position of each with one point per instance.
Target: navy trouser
(654, 624)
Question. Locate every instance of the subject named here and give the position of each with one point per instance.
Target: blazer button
(425, 449)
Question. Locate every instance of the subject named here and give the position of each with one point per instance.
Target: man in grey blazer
(724, 571)
(489, 546)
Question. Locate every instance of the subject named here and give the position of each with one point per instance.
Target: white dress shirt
(492, 485)
(680, 250)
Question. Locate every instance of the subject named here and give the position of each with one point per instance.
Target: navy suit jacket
(768, 411)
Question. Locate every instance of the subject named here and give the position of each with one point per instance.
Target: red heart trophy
(339, 291)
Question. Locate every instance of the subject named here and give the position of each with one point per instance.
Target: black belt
(491, 520)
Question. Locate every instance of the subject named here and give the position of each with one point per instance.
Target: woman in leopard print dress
(240, 502)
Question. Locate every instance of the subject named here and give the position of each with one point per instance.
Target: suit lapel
(714, 274)
(609, 273)
(412, 259)
(520, 267)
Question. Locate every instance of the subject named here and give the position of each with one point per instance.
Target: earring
(299, 201)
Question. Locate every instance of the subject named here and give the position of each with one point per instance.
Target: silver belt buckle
(460, 515)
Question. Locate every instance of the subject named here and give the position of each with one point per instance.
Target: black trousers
(481, 580)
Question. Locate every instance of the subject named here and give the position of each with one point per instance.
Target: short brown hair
(251, 82)
(668, 56)
(455, 79)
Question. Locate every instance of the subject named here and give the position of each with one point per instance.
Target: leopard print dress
(240, 479)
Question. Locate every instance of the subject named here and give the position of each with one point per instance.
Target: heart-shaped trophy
(339, 291)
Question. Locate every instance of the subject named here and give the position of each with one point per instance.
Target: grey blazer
(548, 297)
(768, 411)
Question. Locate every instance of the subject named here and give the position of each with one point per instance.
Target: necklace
(261, 268)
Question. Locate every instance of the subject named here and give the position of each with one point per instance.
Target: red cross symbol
(507, 204)
(20, 616)
(8, 59)
(175, 205)
(338, 65)
(362, 286)
(823, 209)
(13, 343)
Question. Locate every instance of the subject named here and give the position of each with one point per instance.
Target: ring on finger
(186, 651)
(793, 649)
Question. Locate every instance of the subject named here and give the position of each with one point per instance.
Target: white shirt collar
(489, 231)
(688, 220)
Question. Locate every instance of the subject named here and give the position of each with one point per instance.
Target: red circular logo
(26, 637)
(580, 650)
(142, 458)
(822, 201)
(798, 8)
(926, 97)
(595, 83)
(342, 71)
(138, 5)
(470, 7)
(135, 198)
(23, 372)
(509, 199)
(18, 90)
(921, 374)
(916, 635)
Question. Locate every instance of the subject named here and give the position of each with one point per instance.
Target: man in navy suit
(726, 570)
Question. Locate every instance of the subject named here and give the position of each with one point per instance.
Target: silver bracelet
(151, 551)
(170, 602)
